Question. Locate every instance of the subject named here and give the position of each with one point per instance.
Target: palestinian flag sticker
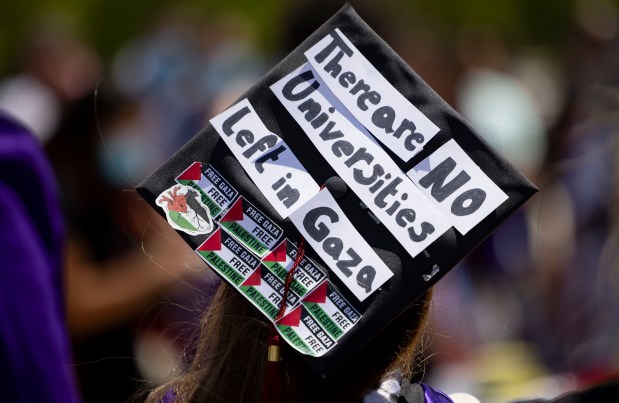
(251, 227)
(185, 210)
(327, 305)
(323, 317)
(216, 192)
(228, 257)
(307, 275)
(304, 333)
(266, 291)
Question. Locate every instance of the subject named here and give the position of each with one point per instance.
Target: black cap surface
(235, 222)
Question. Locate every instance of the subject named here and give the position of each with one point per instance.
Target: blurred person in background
(114, 269)
(169, 78)
(578, 237)
(34, 343)
(549, 275)
(55, 69)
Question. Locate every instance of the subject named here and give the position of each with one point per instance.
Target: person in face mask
(115, 268)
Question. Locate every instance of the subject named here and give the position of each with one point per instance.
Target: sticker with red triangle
(307, 275)
(304, 333)
(251, 227)
(266, 290)
(228, 257)
(215, 191)
(288, 326)
(254, 280)
(327, 305)
(278, 254)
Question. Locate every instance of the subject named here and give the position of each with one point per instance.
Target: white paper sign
(458, 187)
(326, 228)
(413, 220)
(386, 113)
(266, 158)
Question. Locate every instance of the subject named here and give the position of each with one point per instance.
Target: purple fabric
(434, 396)
(431, 395)
(34, 345)
(169, 397)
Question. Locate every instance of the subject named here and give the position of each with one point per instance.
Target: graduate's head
(231, 357)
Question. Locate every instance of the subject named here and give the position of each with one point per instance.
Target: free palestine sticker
(265, 290)
(331, 310)
(307, 274)
(323, 318)
(251, 227)
(215, 191)
(228, 257)
(304, 333)
(241, 268)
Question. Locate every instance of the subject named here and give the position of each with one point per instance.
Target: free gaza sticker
(307, 274)
(265, 290)
(215, 192)
(228, 257)
(304, 333)
(251, 227)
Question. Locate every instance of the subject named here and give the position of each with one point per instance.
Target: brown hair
(231, 356)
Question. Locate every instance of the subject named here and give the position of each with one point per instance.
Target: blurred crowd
(531, 313)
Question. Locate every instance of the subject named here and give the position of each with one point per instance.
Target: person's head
(231, 355)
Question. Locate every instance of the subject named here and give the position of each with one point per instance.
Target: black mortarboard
(344, 146)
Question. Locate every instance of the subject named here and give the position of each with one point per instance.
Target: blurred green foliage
(108, 23)
(540, 22)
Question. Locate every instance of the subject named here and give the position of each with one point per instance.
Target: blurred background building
(112, 88)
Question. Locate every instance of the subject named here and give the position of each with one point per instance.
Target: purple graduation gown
(430, 395)
(34, 344)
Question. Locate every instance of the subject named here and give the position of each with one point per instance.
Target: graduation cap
(345, 165)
